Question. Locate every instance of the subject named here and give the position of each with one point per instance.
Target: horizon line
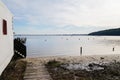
(48, 34)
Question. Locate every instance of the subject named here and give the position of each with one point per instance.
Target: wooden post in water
(80, 50)
(113, 49)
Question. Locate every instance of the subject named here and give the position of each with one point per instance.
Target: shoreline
(77, 59)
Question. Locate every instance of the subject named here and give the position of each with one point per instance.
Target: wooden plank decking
(36, 70)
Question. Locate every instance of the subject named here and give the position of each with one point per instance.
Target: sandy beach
(77, 59)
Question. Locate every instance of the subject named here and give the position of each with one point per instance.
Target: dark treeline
(109, 32)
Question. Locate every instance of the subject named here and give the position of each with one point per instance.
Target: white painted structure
(6, 36)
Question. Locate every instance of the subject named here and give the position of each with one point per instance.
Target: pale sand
(77, 59)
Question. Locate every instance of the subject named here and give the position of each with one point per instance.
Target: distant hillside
(111, 32)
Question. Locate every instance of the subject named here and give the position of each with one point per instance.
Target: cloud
(60, 13)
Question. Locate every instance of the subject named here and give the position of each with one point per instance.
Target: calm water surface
(70, 45)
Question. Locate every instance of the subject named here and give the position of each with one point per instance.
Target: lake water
(70, 45)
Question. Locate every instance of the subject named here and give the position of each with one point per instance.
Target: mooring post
(113, 49)
(80, 50)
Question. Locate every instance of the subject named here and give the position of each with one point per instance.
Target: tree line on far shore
(109, 32)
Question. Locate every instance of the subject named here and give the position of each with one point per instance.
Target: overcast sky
(63, 16)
